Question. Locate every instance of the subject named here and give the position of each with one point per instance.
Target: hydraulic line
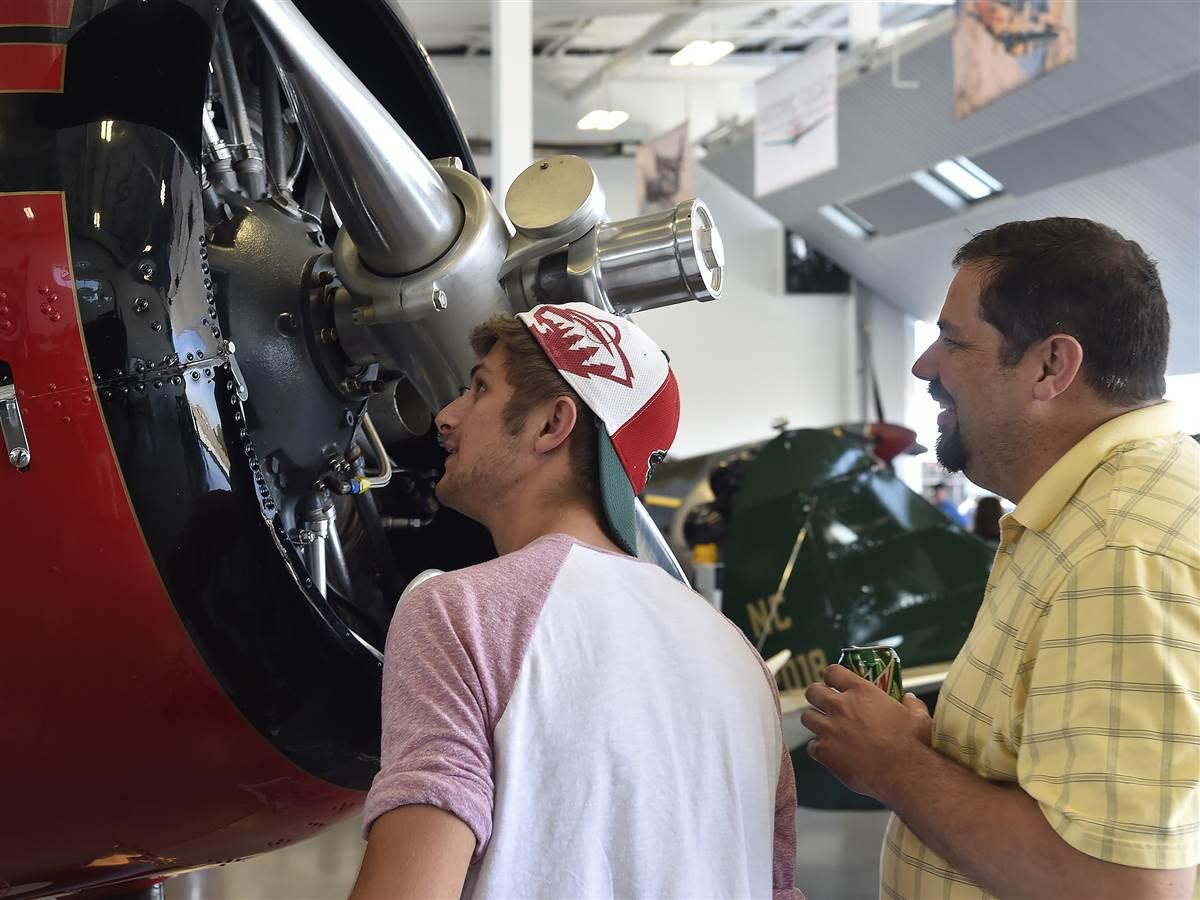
(384, 475)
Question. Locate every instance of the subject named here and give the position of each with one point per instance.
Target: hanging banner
(1002, 46)
(664, 170)
(795, 126)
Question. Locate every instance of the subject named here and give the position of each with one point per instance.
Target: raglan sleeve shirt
(451, 662)
(1110, 744)
(437, 712)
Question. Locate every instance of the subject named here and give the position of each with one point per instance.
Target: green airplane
(824, 547)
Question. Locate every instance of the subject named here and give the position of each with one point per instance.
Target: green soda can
(879, 665)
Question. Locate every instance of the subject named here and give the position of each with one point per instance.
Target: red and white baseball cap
(625, 379)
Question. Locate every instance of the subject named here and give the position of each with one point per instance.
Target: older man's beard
(951, 450)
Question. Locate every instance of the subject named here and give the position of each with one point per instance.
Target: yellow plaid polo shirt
(1080, 679)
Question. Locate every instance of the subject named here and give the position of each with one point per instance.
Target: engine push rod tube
(249, 166)
(397, 209)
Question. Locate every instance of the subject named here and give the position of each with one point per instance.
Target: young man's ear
(1060, 358)
(557, 423)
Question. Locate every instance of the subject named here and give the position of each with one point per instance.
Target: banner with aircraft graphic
(664, 171)
(795, 126)
(1003, 45)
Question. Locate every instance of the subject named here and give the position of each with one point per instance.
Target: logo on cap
(583, 345)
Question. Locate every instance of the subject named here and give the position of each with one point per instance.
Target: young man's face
(985, 404)
(485, 459)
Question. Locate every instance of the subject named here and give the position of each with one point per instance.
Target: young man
(1064, 757)
(567, 721)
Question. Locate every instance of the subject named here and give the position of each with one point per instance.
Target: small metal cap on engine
(554, 197)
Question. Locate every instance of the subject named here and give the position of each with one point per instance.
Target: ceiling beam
(558, 44)
(822, 21)
(649, 40)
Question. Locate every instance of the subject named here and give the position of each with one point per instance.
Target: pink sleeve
(784, 880)
(783, 870)
(454, 650)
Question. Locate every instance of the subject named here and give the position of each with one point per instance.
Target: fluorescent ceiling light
(980, 174)
(702, 53)
(847, 220)
(939, 189)
(602, 120)
(966, 183)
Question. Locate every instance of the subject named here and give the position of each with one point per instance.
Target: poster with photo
(664, 170)
(1003, 45)
(795, 124)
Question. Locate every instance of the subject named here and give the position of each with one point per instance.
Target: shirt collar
(1045, 500)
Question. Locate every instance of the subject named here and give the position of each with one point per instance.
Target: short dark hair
(1076, 277)
(535, 379)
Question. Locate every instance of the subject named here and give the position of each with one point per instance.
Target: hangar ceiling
(762, 32)
(1113, 136)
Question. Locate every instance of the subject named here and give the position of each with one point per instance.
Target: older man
(1064, 757)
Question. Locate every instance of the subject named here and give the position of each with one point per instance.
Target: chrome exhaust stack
(567, 250)
(399, 212)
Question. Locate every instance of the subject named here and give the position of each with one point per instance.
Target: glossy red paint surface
(122, 757)
(32, 68)
(52, 13)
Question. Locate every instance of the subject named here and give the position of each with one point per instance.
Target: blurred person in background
(987, 519)
(943, 501)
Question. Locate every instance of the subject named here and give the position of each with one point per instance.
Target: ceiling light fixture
(602, 120)
(939, 189)
(967, 178)
(702, 53)
(983, 176)
(847, 220)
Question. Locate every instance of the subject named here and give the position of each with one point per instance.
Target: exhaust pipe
(393, 204)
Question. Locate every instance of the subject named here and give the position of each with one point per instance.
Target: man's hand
(881, 748)
(861, 732)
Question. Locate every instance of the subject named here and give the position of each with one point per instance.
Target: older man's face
(983, 405)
